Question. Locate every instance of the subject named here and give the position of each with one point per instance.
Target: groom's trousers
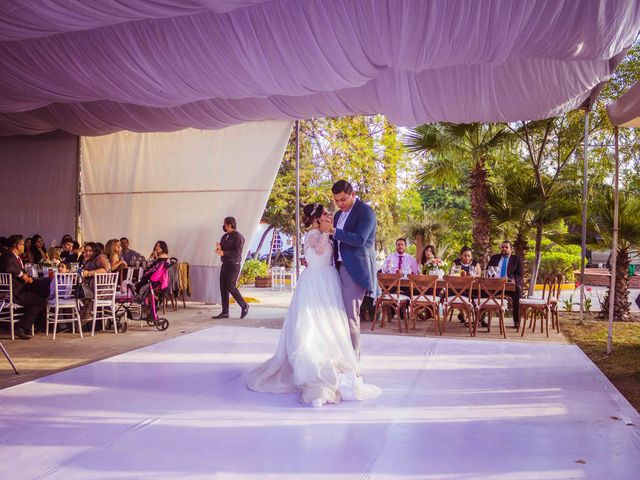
(352, 295)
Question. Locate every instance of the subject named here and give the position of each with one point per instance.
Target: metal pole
(614, 243)
(297, 268)
(584, 209)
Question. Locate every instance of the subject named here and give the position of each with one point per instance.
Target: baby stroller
(144, 297)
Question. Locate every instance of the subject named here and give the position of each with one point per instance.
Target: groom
(355, 255)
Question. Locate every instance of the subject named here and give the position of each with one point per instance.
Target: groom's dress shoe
(245, 311)
(220, 315)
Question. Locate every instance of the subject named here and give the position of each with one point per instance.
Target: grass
(622, 367)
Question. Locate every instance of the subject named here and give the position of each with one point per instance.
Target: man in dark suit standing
(230, 251)
(354, 232)
(512, 267)
(10, 262)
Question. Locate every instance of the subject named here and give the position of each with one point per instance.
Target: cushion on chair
(62, 301)
(454, 299)
(533, 301)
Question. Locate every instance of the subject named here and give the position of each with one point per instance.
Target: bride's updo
(311, 212)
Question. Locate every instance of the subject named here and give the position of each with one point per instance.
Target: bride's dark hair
(311, 212)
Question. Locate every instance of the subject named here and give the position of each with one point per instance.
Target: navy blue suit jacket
(357, 245)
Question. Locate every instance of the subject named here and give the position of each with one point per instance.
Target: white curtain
(178, 187)
(39, 185)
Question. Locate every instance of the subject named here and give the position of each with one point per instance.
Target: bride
(314, 355)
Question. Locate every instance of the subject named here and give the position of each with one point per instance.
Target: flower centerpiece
(435, 266)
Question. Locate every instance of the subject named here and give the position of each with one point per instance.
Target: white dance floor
(450, 409)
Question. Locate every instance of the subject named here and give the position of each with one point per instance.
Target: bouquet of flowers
(435, 266)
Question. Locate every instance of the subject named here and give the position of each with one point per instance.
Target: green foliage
(556, 259)
(363, 150)
(252, 269)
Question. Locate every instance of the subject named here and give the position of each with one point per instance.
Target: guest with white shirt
(400, 261)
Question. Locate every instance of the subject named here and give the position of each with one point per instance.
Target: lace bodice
(318, 249)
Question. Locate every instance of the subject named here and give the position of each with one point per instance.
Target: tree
(456, 154)
(600, 233)
(549, 147)
(366, 151)
(425, 228)
(600, 223)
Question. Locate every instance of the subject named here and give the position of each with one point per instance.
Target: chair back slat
(64, 285)
(423, 288)
(104, 286)
(458, 287)
(387, 282)
(5, 284)
(490, 292)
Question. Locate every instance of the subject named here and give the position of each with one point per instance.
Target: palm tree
(459, 153)
(600, 233)
(601, 223)
(510, 208)
(517, 203)
(425, 229)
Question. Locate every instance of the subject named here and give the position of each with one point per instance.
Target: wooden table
(510, 286)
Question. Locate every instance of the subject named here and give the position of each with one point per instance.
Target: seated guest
(53, 253)
(128, 255)
(68, 255)
(27, 256)
(23, 294)
(400, 261)
(94, 261)
(38, 251)
(65, 237)
(62, 268)
(512, 267)
(113, 250)
(160, 251)
(429, 253)
(468, 265)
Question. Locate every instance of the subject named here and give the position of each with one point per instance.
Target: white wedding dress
(315, 356)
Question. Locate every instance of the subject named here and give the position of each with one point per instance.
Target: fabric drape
(39, 185)
(170, 65)
(179, 187)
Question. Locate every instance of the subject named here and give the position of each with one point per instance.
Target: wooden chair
(539, 307)
(423, 297)
(490, 299)
(390, 300)
(457, 296)
(553, 303)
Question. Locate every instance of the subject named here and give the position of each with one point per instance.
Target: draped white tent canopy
(94, 67)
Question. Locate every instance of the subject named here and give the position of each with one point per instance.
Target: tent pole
(78, 202)
(297, 267)
(614, 242)
(584, 209)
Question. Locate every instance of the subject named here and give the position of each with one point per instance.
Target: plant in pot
(255, 271)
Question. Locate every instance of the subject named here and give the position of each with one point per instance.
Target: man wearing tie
(511, 267)
(33, 304)
(400, 261)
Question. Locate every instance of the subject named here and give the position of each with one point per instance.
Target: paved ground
(42, 356)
